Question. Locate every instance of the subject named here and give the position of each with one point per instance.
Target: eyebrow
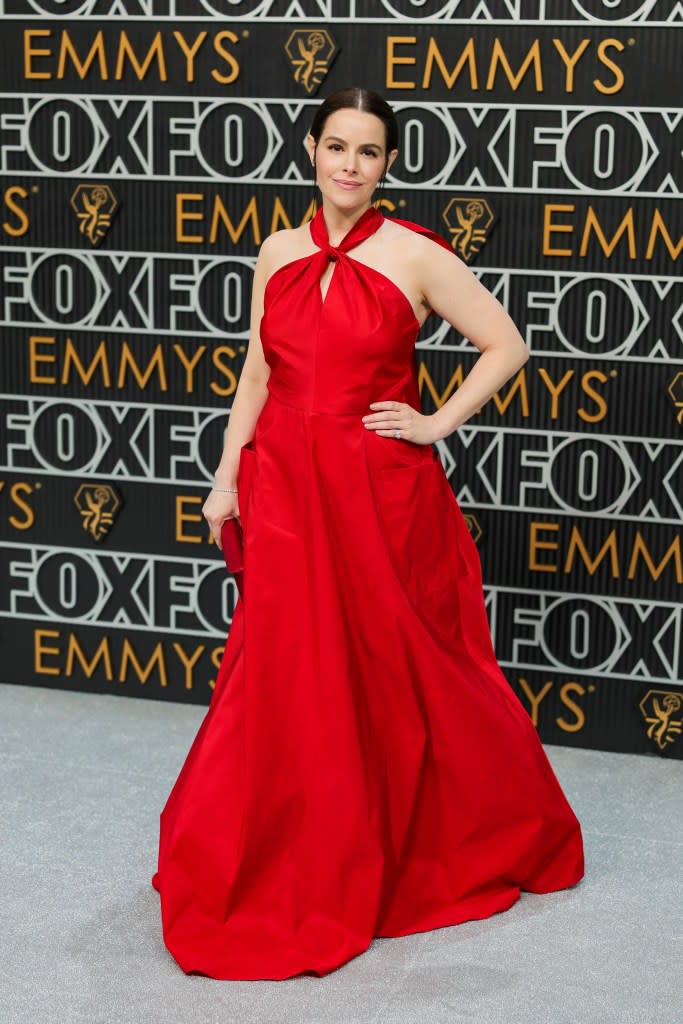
(365, 145)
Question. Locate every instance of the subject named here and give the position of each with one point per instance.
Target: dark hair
(359, 99)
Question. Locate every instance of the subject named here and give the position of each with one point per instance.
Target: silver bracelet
(225, 490)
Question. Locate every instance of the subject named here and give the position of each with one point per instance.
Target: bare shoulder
(414, 245)
(282, 247)
(423, 257)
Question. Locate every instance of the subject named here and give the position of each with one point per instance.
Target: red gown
(364, 768)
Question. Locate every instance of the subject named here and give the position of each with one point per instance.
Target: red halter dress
(364, 768)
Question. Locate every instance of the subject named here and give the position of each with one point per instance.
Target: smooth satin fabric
(364, 768)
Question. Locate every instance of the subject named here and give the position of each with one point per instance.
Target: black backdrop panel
(147, 149)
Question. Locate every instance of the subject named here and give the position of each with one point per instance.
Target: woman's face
(350, 158)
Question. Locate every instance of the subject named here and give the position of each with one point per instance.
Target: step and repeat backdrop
(147, 148)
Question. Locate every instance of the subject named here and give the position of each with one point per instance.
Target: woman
(364, 768)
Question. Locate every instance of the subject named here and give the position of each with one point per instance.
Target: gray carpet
(84, 779)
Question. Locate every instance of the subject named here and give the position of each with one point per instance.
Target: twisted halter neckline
(365, 226)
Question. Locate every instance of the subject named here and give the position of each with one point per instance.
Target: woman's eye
(334, 145)
(370, 152)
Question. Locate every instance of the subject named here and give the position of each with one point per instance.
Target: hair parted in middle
(356, 98)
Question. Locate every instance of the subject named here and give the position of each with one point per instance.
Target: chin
(347, 200)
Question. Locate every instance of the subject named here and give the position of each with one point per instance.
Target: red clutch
(233, 549)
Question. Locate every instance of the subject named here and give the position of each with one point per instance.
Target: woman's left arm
(451, 290)
(455, 294)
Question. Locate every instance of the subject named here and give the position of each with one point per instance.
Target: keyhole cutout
(326, 279)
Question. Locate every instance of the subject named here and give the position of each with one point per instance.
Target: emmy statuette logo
(311, 52)
(675, 390)
(469, 222)
(98, 504)
(473, 526)
(94, 206)
(658, 708)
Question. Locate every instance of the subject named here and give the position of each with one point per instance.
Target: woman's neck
(339, 222)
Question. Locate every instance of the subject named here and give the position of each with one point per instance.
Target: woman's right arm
(248, 401)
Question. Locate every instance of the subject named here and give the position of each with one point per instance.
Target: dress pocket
(418, 516)
(245, 472)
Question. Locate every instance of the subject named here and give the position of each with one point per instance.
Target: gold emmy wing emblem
(469, 221)
(94, 206)
(310, 52)
(658, 708)
(98, 504)
(676, 393)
